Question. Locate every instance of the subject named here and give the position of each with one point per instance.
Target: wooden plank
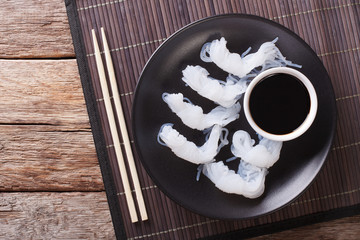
(42, 92)
(45, 138)
(44, 215)
(85, 215)
(344, 228)
(34, 29)
(47, 158)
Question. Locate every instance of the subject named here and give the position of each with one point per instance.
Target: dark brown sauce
(279, 103)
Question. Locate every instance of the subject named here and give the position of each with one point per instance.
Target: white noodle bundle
(263, 155)
(193, 115)
(249, 181)
(187, 150)
(223, 93)
(267, 56)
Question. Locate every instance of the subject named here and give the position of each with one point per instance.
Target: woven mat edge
(94, 119)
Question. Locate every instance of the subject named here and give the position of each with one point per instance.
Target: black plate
(300, 160)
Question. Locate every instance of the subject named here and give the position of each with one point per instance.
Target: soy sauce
(279, 103)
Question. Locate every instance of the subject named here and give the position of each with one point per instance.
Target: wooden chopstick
(113, 130)
(123, 129)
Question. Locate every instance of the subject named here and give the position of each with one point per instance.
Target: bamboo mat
(135, 28)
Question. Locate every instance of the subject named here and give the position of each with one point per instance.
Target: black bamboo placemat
(135, 28)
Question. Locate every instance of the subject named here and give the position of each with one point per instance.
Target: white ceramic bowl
(308, 120)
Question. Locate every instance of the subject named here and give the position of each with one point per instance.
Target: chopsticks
(123, 129)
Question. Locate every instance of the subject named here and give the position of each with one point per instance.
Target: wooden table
(50, 181)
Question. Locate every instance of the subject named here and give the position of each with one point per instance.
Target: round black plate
(300, 160)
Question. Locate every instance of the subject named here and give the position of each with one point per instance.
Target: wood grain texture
(42, 92)
(45, 138)
(34, 29)
(47, 158)
(43, 215)
(85, 215)
(344, 228)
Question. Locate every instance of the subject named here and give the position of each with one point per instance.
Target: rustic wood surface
(34, 29)
(50, 181)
